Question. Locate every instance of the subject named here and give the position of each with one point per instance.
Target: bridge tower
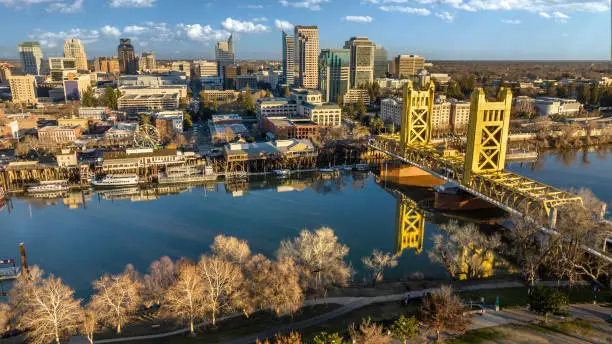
(487, 134)
(416, 115)
(409, 226)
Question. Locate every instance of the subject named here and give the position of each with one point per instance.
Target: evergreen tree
(87, 98)
(377, 124)
(247, 100)
(110, 97)
(215, 106)
(350, 110)
(361, 108)
(594, 94)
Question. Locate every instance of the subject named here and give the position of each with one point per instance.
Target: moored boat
(186, 174)
(282, 173)
(115, 181)
(48, 187)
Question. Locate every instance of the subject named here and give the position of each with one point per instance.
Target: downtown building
(23, 89)
(406, 66)
(307, 56)
(288, 76)
(73, 48)
(381, 62)
(147, 61)
(362, 60)
(60, 67)
(127, 59)
(104, 64)
(30, 56)
(224, 55)
(334, 74)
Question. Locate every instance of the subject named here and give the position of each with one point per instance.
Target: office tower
(362, 60)
(408, 65)
(381, 62)
(5, 72)
(230, 73)
(23, 89)
(148, 61)
(73, 48)
(106, 65)
(334, 74)
(182, 66)
(203, 68)
(288, 59)
(59, 67)
(127, 59)
(30, 56)
(224, 54)
(307, 55)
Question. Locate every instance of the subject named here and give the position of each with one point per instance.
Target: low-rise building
(137, 103)
(275, 107)
(546, 106)
(168, 122)
(53, 135)
(72, 122)
(219, 95)
(66, 158)
(226, 128)
(153, 80)
(211, 83)
(283, 128)
(96, 113)
(301, 95)
(391, 110)
(246, 81)
(355, 95)
(292, 148)
(329, 115)
(460, 116)
(133, 160)
(162, 89)
(391, 83)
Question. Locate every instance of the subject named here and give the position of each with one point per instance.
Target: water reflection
(409, 225)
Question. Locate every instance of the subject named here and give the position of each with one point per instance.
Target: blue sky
(436, 29)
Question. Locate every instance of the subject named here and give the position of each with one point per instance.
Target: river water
(86, 235)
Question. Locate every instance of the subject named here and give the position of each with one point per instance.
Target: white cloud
(358, 19)
(131, 3)
(558, 17)
(110, 31)
(253, 7)
(63, 7)
(283, 25)
(53, 39)
(260, 19)
(544, 15)
(24, 3)
(406, 9)
(199, 33)
(234, 25)
(511, 21)
(446, 16)
(313, 5)
(135, 30)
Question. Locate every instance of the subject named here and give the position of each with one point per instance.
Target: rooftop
(58, 127)
(162, 96)
(255, 150)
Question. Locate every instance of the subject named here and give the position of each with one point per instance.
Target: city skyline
(512, 30)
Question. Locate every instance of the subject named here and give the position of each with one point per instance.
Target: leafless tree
(22, 287)
(378, 262)
(221, 284)
(5, 317)
(320, 258)
(117, 297)
(369, 332)
(185, 298)
(291, 338)
(89, 323)
(443, 311)
(162, 274)
(231, 249)
(50, 312)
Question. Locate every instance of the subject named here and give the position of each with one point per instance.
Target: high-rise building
(408, 65)
(182, 66)
(230, 73)
(334, 73)
(362, 60)
(75, 85)
(5, 72)
(381, 62)
(127, 58)
(60, 67)
(31, 57)
(23, 89)
(203, 68)
(224, 54)
(147, 61)
(288, 59)
(73, 48)
(307, 55)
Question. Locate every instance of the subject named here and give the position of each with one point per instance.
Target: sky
(435, 29)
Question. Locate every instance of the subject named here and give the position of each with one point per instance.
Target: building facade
(288, 59)
(75, 85)
(224, 55)
(60, 67)
(334, 73)
(137, 103)
(205, 68)
(23, 89)
(52, 135)
(362, 60)
(73, 48)
(327, 115)
(147, 61)
(408, 65)
(31, 57)
(307, 55)
(381, 62)
(104, 64)
(355, 95)
(126, 56)
(546, 106)
(460, 116)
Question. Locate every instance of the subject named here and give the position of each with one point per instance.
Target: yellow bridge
(480, 171)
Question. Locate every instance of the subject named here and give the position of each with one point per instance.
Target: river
(86, 235)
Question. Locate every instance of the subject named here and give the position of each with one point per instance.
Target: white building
(136, 103)
(275, 107)
(354, 95)
(97, 113)
(391, 110)
(205, 68)
(161, 89)
(546, 106)
(171, 78)
(175, 116)
(391, 83)
(268, 77)
(323, 114)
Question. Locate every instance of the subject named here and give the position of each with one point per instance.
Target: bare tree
(443, 311)
(378, 262)
(89, 323)
(320, 258)
(50, 312)
(5, 317)
(231, 249)
(162, 274)
(117, 297)
(22, 287)
(282, 293)
(369, 332)
(291, 338)
(185, 298)
(221, 284)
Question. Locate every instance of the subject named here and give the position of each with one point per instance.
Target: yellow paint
(416, 115)
(409, 226)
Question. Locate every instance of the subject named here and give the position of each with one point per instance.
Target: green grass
(478, 336)
(578, 326)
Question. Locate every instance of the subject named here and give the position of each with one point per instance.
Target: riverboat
(51, 186)
(515, 154)
(186, 174)
(282, 173)
(362, 167)
(116, 181)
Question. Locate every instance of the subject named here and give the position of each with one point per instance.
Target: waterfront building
(73, 48)
(224, 55)
(408, 65)
(381, 62)
(126, 56)
(182, 66)
(334, 74)
(440, 115)
(288, 59)
(546, 106)
(53, 135)
(147, 61)
(60, 67)
(460, 116)
(284, 128)
(361, 60)
(66, 158)
(137, 103)
(355, 95)
(292, 148)
(30, 56)
(391, 111)
(307, 56)
(135, 160)
(23, 89)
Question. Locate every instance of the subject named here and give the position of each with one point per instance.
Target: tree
(221, 285)
(368, 332)
(377, 262)
(547, 301)
(329, 338)
(443, 311)
(405, 328)
(185, 298)
(377, 124)
(116, 298)
(5, 317)
(145, 119)
(282, 292)
(350, 110)
(247, 100)
(291, 338)
(268, 94)
(215, 106)
(50, 312)
(287, 93)
(594, 92)
(87, 98)
(162, 274)
(320, 258)
(361, 108)
(187, 122)
(89, 323)
(22, 288)
(231, 249)
(110, 97)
